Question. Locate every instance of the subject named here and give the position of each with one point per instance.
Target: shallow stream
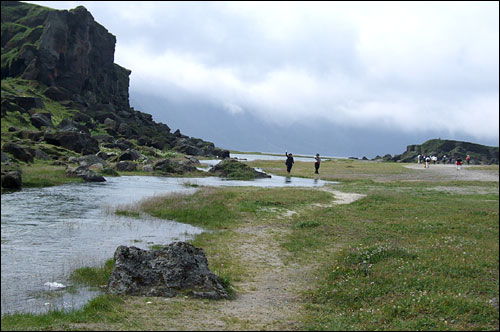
(49, 232)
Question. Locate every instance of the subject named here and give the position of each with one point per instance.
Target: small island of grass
(235, 170)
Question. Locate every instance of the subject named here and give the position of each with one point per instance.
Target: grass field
(419, 251)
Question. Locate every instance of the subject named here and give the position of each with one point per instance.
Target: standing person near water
(289, 161)
(316, 164)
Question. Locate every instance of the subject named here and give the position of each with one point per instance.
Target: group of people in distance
(427, 159)
(421, 158)
(289, 162)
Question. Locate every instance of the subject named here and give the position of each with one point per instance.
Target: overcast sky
(405, 65)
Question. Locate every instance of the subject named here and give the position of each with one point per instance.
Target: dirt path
(269, 300)
(450, 172)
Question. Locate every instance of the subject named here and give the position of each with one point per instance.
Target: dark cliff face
(58, 72)
(65, 49)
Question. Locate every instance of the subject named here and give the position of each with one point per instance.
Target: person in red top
(459, 163)
(467, 159)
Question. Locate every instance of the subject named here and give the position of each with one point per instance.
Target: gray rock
(78, 142)
(20, 152)
(68, 125)
(179, 268)
(28, 103)
(39, 154)
(5, 157)
(165, 165)
(57, 93)
(130, 154)
(86, 174)
(40, 120)
(12, 180)
(126, 166)
(90, 160)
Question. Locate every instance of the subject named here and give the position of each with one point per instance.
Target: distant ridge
(480, 154)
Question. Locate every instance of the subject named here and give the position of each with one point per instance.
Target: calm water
(252, 157)
(49, 232)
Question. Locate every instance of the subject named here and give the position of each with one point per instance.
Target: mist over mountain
(245, 132)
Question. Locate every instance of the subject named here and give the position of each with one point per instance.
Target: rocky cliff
(62, 93)
(66, 50)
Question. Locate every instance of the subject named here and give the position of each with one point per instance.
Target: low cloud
(398, 65)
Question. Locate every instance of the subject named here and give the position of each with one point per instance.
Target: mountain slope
(63, 95)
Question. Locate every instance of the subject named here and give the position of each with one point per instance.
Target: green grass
(405, 257)
(235, 170)
(41, 174)
(93, 276)
(225, 207)
(413, 260)
(104, 308)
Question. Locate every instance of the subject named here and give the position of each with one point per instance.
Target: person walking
(459, 163)
(467, 159)
(316, 164)
(419, 158)
(427, 161)
(289, 161)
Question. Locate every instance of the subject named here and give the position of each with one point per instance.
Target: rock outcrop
(63, 94)
(179, 268)
(480, 154)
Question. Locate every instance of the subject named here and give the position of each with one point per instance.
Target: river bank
(404, 255)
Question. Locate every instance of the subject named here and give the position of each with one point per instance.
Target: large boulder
(68, 125)
(28, 103)
(86, 174)
(75, 141)
(171, 166)
(126, 166)
(179, 268)
(90, 160)
(130, 154)
(40, 120)
(20, 152)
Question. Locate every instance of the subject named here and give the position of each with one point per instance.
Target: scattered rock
(179, 268)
